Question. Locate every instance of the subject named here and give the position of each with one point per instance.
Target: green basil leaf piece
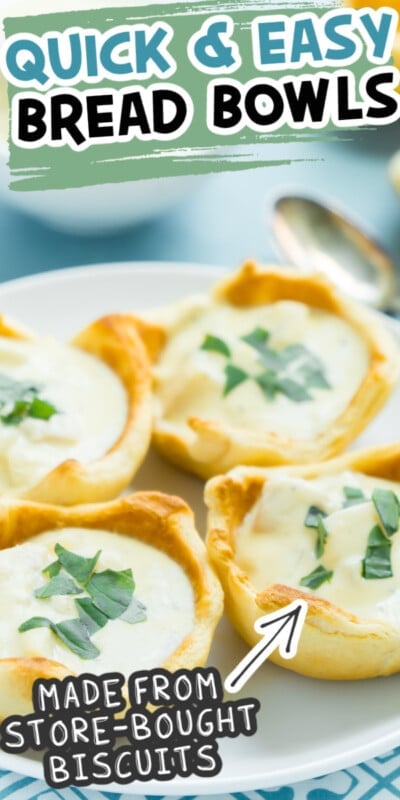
(313, 515)
(12, 390)
(136, 612)
(322, 535)
(354, 496)
(267, 382)
(79, 567)
(127, 572)
(290, 371)
(353, 493)
(317, 577)
(216, 345)
(35, 622)
(388, 508)
(314, 377)
(293, 352)
(18, 413)
(234, 377)
(59, 585)
(74, 634)
(111, 592)
(90, 615)
(41, 409)
(257, 338)
(271, 360)
(292, 390)
(377, 562)
(19, 400)
(53, 569)
(377, 537)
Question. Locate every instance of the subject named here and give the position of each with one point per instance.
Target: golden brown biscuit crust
(334, 644)
(162, 521)
(114, 339)
(220, 447)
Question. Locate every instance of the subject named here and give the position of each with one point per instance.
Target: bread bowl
(75, 419)
(268, 547)
(224, 373)
(174, 587)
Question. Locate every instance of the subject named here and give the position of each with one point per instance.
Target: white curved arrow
(281, 629)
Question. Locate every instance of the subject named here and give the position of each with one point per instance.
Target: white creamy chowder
(335, 536)
(285, 367)
(161, 587)
(79, 411)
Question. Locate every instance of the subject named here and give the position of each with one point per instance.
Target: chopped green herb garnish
(234, 377)
(53, 569)
(109, 596)
(59, 585)
(136, 612)
(388, 508)
(80, 568)
(41, 409)
(75, 636)
(216, 345)
(317, 577)
(111, 592)
(12, 390)
(292, 352)
(377, 561)
(293, 390)
(35, 622)
(322, 535)
(315, 519)
(271, 360)
(20, 399)
(257, 338)
(314, 377)
(313, 516)
(267, 382)
(19, 412)
(72, 633)
(291, 371)
(353, 496)
(353, 493)
(90, 615)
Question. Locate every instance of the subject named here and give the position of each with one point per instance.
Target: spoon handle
(394, 308)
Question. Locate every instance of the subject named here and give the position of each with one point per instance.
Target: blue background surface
(224, 220)
(378, 779)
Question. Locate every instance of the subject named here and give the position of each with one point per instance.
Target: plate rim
(193, 784)
(185, 788)
(103, 267)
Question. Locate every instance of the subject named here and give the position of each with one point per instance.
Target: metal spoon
(315, 238)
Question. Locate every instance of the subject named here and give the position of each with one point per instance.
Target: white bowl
(91, 209)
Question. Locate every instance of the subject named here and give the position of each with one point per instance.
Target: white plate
(306, 727)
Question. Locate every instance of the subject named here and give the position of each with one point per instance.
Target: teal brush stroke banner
(198, 150)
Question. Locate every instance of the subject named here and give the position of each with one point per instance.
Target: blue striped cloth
(378, 778)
